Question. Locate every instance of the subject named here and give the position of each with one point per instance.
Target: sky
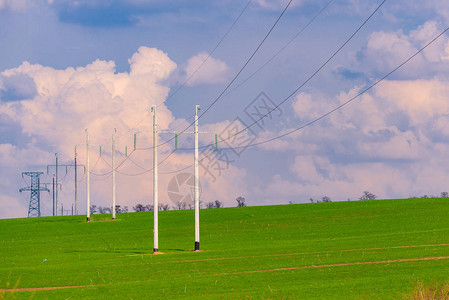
(67, 66)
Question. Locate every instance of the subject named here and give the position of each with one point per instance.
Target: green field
(360, 250)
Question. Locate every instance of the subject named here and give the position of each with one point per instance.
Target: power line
(208, 56)
(238, 73)
(333, 110)
(243, 67)
(313, 74)
(281, 49)
(308, 79)
(353, 98)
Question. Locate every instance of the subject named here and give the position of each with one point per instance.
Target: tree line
(370, 196)
(241, 201)
(162, 207)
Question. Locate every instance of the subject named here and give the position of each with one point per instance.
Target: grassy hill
(365, 249)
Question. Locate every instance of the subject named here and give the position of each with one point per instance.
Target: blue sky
(70, 65)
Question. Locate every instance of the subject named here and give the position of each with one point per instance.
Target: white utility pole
(196, 189)
(53, 195)
(56, 155)
(88, 177)
(155, 185)
(76, 186)
(113, 174)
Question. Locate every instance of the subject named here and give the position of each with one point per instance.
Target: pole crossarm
(29, 188)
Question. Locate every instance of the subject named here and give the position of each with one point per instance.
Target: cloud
(151, 62)
(384, 51)
(65, 102)
(129, 13)
(17, 87)
(203, 69)
(15, 5)
(389, 141)
(52, 108)
(278, 4)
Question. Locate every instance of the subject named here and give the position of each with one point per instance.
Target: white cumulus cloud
(204, 69)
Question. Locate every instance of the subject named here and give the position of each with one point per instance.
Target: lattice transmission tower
(34, 210)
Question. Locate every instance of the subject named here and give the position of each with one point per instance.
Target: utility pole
(56, 155)
(196, 182)
(88, 177)
(53, 195)
(76, 180)
(58, 185)
(155, 176)
(155, 183)
(76, 187)
(113, 174)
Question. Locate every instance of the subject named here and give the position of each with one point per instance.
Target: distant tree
(367, 196)
(240, 201)
(444, 194)
(163, 206)
(180, 205)
(425, 196)
(149, 207)
(210, 204)
(93, 209)
(311, 200)
(106, 210)
(326, 199)
(139, 208)
(218, 204)
(119, 209)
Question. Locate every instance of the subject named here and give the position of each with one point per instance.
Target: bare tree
(180, 205)
(149, 207)
(107, 210)
(240, 201)
(218, 204)
(444, 194)
(210, 204)
(326, 199)
(119, 209)
(93, 209)
(139, 208)
(311, 200)
(367, 196)
(163, 206)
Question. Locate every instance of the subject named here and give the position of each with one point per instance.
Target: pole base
(197, 246)
(88, 219)
(155, 250)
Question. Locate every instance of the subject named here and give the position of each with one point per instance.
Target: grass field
(361, 250)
